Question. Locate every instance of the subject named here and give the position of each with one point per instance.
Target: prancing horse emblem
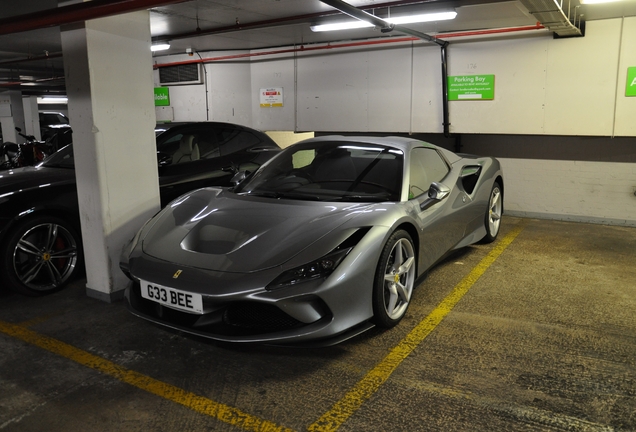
(176, 274)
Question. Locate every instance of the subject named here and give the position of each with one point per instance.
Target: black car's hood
(21, 179)
(221, 231)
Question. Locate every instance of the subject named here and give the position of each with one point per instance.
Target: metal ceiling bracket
(560, 16)
(385, 27)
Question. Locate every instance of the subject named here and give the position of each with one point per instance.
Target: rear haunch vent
(181, 74)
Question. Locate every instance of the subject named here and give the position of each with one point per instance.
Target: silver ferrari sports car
(324, 241)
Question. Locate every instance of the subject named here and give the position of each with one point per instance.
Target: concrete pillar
(11, 116)
(109, 82)
(31, 116)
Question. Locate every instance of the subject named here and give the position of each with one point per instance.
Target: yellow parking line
(349, 404)
(197, 403)
(38, 320)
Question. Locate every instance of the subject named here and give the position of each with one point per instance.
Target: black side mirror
(239, 177)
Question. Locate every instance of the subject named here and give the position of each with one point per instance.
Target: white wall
(274, 72)
(626, 106)
(548, 86)
(600, 192)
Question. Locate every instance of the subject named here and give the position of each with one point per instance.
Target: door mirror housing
(436, 192)
(239, 177)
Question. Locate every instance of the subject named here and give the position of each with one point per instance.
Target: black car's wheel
(394, 280)
(41, 255)
(492, 219)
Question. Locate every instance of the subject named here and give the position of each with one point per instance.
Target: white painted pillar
(109, 82)
(11, 116)
(31, 116)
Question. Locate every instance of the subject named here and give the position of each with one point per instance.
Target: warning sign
(271, 97)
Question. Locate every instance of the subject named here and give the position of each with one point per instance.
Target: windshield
(330, 171)
(63, 158)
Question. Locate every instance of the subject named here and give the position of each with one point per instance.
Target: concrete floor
(544, 340)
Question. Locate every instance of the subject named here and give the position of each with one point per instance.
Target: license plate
(177, 299)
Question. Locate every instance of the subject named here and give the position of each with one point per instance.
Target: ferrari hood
(218, 230)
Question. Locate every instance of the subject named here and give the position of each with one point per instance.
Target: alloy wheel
(45, 256)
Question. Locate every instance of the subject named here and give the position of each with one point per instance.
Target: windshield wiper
(58, 165)
(283, 195)
(362, 198)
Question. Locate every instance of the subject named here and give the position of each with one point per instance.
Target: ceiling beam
(74, 13)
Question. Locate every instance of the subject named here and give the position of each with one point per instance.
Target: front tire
(41, 255)
(492, 220)
(394, 280)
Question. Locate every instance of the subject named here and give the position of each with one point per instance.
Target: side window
(234, 140)
(170, 146)
(303, 158)
(426, 167)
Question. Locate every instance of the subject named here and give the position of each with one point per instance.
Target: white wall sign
(271, 97)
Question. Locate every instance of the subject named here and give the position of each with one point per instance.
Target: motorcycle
(32, 151)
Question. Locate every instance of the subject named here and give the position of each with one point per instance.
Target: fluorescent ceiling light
(409, 19)
(159, 47)
(52, 100)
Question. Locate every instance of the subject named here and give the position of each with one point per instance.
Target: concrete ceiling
(217, 25)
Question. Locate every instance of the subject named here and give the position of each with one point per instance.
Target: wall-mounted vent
(180, 74)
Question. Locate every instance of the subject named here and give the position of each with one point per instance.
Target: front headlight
(320, 268)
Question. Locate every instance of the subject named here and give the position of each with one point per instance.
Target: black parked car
(40, 243)
(55, 129)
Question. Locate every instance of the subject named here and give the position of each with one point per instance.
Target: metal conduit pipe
(76, 13)
(348, 45)
(354, 12)
(445, 114)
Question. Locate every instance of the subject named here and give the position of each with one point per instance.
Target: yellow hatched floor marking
(349, 404)
(195, 402)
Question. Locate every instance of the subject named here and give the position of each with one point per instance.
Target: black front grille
(257, 316)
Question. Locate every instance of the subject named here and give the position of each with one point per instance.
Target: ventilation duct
(552, 15)
(180, 74)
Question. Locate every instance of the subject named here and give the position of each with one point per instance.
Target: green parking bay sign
(162, 96)
(630, 90)
(471, 87)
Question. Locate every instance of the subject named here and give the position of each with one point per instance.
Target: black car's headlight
(320, 268)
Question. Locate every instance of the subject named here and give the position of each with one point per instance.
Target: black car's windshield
(330, 171)
(63, 158)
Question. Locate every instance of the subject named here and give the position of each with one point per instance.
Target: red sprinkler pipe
(537, 26)
(76, 13)
(351, 45)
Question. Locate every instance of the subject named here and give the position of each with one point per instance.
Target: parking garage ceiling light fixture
(52, 100)
(588, 2)
(159, 47)
(409, 19)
